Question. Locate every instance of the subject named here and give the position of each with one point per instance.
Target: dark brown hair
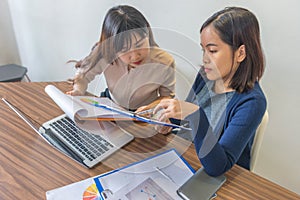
(120, 23)
(238, 26)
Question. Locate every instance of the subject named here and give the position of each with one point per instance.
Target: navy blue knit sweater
(243, 115)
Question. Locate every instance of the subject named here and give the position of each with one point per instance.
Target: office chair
(13, 73)
(258, 140)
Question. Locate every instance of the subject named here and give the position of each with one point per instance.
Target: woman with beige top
(137, 72)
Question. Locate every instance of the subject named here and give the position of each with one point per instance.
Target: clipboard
(130, 115)
(90, 108)
(160, 175)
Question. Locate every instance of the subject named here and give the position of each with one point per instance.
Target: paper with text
(159, 176)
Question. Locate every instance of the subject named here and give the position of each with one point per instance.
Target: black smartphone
(201, 186)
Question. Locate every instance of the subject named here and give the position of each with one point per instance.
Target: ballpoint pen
(149, 111)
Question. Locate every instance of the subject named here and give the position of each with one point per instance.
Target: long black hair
(120, 24)
(238, 26)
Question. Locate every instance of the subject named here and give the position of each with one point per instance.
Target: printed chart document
(157, 177)
(82, 190)
(89, 108)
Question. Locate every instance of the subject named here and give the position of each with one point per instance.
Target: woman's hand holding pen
(166, 109)
(147, 111)
(172, 108)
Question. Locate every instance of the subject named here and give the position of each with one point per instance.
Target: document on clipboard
(157, 177)
(90, 108)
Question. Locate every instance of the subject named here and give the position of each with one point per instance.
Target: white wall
(50, 32)
(8, 46)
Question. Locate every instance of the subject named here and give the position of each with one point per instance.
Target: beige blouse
(135, 87)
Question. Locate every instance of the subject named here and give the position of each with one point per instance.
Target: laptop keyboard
(87, 145)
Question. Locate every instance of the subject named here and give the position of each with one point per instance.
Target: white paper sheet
(73, 191)
(72, 106)
(143, 180)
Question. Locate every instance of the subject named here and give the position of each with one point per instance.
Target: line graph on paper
(148, 190)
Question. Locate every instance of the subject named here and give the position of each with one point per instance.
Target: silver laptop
(84, 147)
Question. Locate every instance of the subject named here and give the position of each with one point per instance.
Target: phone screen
(201, 186)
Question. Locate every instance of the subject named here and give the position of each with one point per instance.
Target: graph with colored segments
(91, 193)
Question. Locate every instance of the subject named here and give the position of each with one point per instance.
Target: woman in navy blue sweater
(226, 104)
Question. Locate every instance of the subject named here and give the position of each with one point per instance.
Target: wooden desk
(30, 167)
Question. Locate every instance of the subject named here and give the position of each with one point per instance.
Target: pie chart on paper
(91, 193)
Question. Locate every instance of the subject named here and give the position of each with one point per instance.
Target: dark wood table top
(30, 167)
